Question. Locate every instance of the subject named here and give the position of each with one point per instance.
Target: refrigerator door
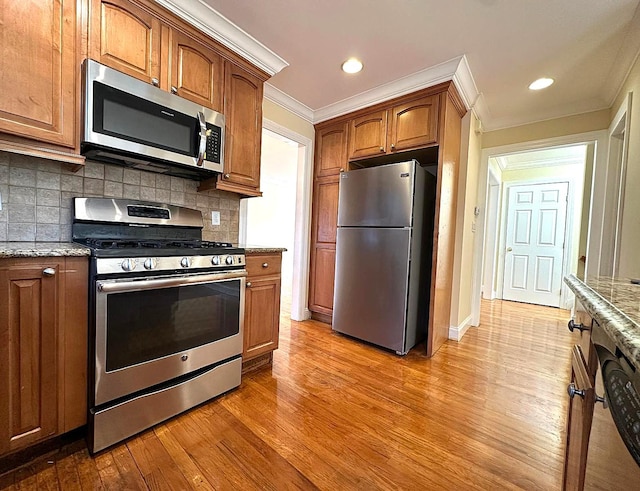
(372, 276)
(377, 196)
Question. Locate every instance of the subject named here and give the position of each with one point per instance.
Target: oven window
(150, 324)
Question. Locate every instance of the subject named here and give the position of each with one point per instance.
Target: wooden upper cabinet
(126, 38)
(368, 135)
(331, 150)
(196, 71)
(38, 70)
(243, 116)
(414, 124)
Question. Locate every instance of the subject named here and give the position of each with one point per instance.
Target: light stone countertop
(262, 249)
(615, 304)
(42, 249)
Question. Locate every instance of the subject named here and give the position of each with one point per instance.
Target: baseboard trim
(456, 332)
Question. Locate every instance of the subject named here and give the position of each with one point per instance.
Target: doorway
(281, 216)
(534, 204)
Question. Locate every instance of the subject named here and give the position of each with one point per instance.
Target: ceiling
(587, 46)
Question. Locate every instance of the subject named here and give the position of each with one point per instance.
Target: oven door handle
(115, 286)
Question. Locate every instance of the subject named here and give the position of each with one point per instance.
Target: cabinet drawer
(263, 265)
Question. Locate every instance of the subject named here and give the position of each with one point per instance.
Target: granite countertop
(262, 249)
(615, 304)
(42, 249)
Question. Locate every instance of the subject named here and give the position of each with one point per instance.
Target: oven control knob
(128, 265)
(185, 262)
(229, 260)
(150, 263)
(215, 260)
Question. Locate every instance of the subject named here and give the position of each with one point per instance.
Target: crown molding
(278, 97)
(206, 19)
(419, 80)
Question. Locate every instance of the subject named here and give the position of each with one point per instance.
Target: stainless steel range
(166, 314)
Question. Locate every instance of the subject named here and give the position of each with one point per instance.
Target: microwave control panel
(214, 143)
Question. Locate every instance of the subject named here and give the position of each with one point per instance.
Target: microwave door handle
(203, 139)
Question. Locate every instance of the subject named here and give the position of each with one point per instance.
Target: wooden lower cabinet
(584, 366)
(262, 308)
(43, 348)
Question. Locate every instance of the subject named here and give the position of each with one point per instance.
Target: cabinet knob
(49, 272)
(341, 169)
(227, 176)
(393, 146)
(603, 400)
(265, 265)
(382, 149)
(580, 327)
(155, 82)
(174, 90)
(572, 391)
(248, 284)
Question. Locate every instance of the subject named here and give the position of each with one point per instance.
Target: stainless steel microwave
(133, 123)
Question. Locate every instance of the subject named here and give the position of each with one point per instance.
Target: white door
(536, 217)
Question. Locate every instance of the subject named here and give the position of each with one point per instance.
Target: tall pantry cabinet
(425, 125)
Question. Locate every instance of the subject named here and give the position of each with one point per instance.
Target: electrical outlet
(215, 218)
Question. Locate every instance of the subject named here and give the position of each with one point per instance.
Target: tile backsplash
(36, 197)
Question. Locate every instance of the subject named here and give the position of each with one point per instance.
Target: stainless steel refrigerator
(383, 254)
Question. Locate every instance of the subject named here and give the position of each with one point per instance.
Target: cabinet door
(579, 420)
(243, 113)
(368, 135)
(414, 124)
(331, 150)
(262, 316)
(28, 372)
(196, 71)
(38, 69)
(126, 38)
(323, 246)
(323, 270)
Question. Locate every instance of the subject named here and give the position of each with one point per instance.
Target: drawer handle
(49, 272)
(580, 327)
(572, 391)
(265, 265)
(248, 284)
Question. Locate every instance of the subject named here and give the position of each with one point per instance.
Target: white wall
(271, 218)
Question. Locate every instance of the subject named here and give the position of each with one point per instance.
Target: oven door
(152, 330)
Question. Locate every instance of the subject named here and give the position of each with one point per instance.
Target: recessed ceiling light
(352, 65)
(541, 83)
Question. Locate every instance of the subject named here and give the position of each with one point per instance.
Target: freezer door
(377, 196)
(370, 296)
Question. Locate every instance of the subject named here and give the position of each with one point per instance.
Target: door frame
(302, 236)
(570, 249)
(595, 208)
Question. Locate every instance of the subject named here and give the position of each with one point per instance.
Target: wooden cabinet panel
(126, 38)
(578, 423)
(43, 348)
(325, 211)
(243, 113)
(196, 71)
(368, 135)
(29, 371)
(38, 53)
(262, 265)
(262, 317)
(414, 124)
(331, 150)
(262, 305)
(323, 265)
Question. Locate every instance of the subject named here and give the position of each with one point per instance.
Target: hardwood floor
(485, 413)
